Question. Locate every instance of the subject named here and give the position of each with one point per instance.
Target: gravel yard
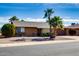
(29, 39)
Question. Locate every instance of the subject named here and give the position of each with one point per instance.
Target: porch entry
(72, 32)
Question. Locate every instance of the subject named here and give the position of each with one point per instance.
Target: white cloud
(3, 20)
(44, 20)
(35, 20)
(70, 20)
(67, 24)
(39, 1)
(66, 21)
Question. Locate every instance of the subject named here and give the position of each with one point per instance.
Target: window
(20, 29)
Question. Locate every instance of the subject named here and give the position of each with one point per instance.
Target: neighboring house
(37, 28)
(72, 30)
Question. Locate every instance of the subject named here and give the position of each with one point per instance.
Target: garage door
(31, 31)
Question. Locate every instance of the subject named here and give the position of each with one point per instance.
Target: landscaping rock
(41, 39)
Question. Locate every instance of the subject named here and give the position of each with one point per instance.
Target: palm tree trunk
(50, 32)
(50, 28)
(11, 22)
(55, 32)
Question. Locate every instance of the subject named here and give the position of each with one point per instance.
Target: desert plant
(8, 30)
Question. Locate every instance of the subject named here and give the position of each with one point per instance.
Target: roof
(38, 24)
(31, 24)
(73, 26)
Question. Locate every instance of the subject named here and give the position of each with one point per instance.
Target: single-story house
(24, 28)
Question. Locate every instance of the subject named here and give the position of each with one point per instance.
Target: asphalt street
(59, 49)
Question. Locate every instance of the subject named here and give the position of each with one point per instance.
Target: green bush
(8, 30)
(46, 34)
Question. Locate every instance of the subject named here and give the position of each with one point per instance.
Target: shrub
(8, 30)
(46, 34)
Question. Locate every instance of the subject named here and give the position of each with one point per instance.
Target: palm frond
(56, 21)
(45, 15)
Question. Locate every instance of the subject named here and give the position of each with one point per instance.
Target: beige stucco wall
(45, 30)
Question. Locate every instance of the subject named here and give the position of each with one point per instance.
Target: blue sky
(35, 11)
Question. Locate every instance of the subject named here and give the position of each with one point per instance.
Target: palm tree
(14, 18)
(48, 14)
(56, 22)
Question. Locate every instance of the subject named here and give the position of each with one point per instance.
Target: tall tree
(14, 18)
(73, 23)
(48, 14)
(56, 22)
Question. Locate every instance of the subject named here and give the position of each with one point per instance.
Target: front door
(72, 32)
